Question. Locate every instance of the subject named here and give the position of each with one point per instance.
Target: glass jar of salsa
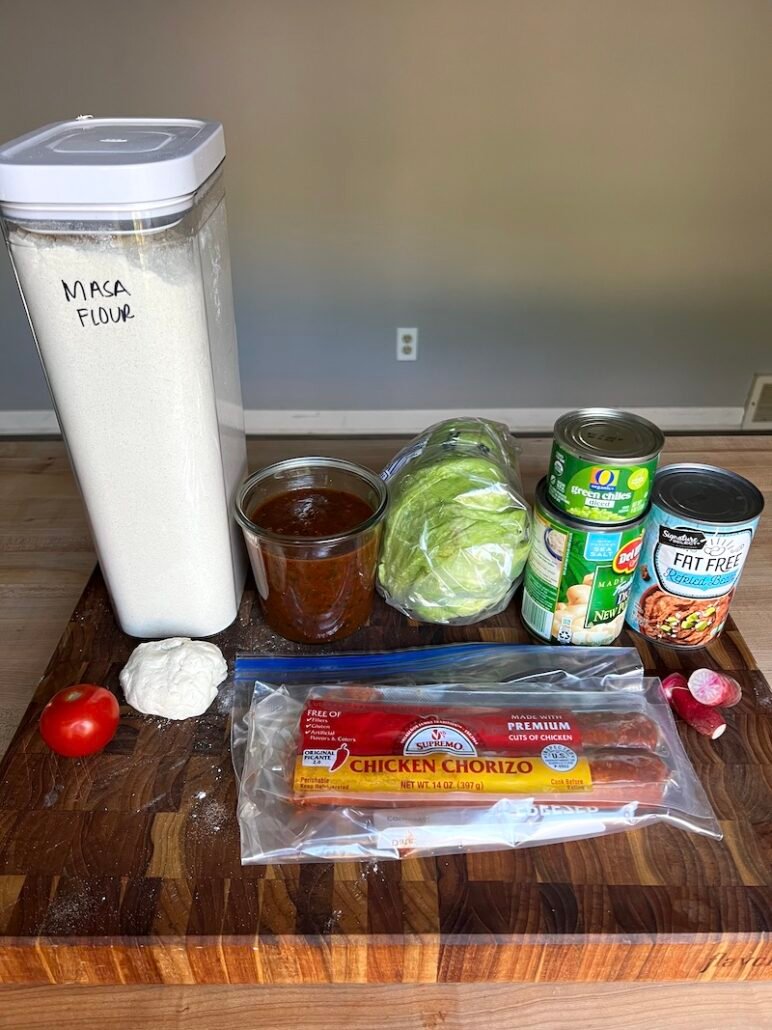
(312, 528)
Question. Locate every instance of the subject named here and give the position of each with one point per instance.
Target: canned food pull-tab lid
(704, 493)
(603, 434)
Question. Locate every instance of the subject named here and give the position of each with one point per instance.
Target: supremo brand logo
(604, 478)
(627, 557)
(439, 736)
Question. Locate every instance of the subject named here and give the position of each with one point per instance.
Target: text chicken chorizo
(376, 754)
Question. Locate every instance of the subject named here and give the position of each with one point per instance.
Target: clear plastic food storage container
(117, 234)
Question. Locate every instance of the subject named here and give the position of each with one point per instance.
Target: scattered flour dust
(332, 921)
(73, 910)
(207, 819)
(52, 796)
(208, 816)
(121, 322)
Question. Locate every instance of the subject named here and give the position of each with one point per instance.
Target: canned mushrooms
(697, 538)
(603, 464)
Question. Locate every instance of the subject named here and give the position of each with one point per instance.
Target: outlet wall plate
(407, 344)
(758, 409)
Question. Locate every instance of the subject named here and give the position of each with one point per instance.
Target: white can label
(690, 563)
(686, 579)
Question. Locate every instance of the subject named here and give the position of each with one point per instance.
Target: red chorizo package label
(363, 749)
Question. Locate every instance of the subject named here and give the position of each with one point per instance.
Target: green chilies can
(602, 465)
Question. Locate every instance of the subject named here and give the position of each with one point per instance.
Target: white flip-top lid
(94, 167)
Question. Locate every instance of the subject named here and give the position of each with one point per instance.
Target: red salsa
(312, 512)
(314, 589)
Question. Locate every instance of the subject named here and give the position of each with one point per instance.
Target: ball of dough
(175, 678)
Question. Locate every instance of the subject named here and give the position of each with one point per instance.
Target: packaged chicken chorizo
(345, 762)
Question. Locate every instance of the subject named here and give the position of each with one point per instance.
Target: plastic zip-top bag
(458, 529)
(475, 747)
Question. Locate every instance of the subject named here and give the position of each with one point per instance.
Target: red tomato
(80, 720)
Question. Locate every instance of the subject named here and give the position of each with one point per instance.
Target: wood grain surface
(46, 554)
(400, 1007)
(124, 868)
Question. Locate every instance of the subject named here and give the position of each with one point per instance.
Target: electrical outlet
(407, 344)
(758, 410)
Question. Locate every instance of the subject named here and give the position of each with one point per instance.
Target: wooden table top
(124, 867)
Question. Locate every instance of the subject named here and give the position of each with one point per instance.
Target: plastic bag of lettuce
(458, 529)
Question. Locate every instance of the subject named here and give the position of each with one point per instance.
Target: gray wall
(572, 200)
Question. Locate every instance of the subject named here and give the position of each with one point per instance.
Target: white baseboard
(350, 423)
(28, 423)
(531, 420)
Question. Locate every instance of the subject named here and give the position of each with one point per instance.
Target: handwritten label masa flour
(135, 400)
(92, 300)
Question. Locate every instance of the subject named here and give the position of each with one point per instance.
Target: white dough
(175, 678)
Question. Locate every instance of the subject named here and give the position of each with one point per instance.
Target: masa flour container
(578, 576)
(602, 464)
(117, 233)
(698, 534)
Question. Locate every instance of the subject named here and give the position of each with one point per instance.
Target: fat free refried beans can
(697, 538)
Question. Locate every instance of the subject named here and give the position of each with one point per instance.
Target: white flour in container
(151, 413)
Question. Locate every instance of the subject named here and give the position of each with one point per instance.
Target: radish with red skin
(708, 721)
(715, 688)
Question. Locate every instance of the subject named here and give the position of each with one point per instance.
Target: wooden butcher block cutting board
(124, 867)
